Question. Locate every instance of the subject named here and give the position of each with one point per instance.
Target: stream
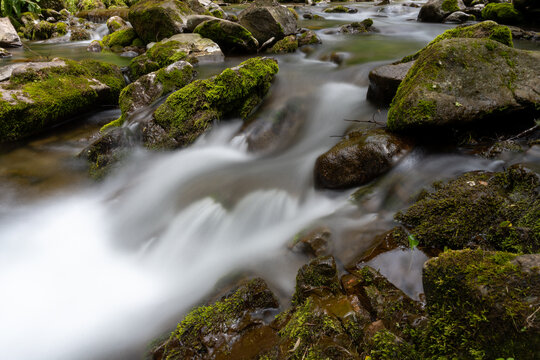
(95, 270)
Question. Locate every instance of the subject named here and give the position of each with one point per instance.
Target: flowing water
(95, 270)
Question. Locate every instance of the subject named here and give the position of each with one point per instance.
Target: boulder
(8, 34)
(503, 13)
(288, 44)
(484, 303)
(319, 277)
(307, 37)
(494, 211)
(340, 9)
(115, 23)
(357, 27)
(231, 37)
(438, 10)
(266, 19)
(458, 17)
(192, 21)
(385, 80)
(154, 20)
(359, 158)
(95, 46)
(51, 4)
(460, 82)
(215, 329)
(190, 47)
(122, 37)
(39, 96)
(101, 15)
(190, 111)
(44, 30)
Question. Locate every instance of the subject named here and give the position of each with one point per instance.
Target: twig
(526, 132)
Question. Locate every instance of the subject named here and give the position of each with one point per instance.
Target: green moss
(123, 37)
(218, 13)
(231, 37)
(504, 13)
(318, 277)
(44, 30)
(190, 111)
(387, 346)
(471, 209)
(166, 53)
(138, 43)
(450, 6)
(142, 65)
(337, 9)
(288, 44)
(115, 123)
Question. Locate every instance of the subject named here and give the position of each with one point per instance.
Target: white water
(101, 270)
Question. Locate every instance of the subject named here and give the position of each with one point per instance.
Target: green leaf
(413, 242)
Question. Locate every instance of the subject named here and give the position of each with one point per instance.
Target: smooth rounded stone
(192, 21)
(129, 54)
(115, 23)
(4, 53)
(231, 37)
(95, 46)
(438, 10)
(154, 20)
(8, 34)
(458, 17)
(384, 82)
(203, 49)
(359, 158)
(460, 82)
(266, 19)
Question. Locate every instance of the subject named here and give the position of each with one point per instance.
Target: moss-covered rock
(359, 158)
(90, 4)
(190, 47)
(211, 331)
(231, 37)
(190, 111)
(115, 23)
(482, 305)
(319, 277)
(79, 34)
(340, 9)
(385, 80)
(36, 97)
(308, 37)
(496, 211)
(357, 27)
(266, 19)
(154, 20)
(286, 45)
(101, 15)
(460, 82)
(122, 37)
(504, 13)
(44, 30)
(51, 4)
(438, 10)
(484, 30)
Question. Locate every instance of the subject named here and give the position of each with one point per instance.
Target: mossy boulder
(385, 80)
(231, 37)
(363, 26)
(286, 45)
(503, 13)
(340, 9)
(190, 111)
(41, 95)
(462, 82)
(154, 20)
(190, 47)
(267, 19)
(101, 15)
(495, 211)
(307, 37)
(211, 331)
(51, 4)
(90, 4)
(79, 34)
(115, 23)
(44, 30)
(438, 10)
(483, 30)
(359, 158)
(122, 37)
(319, 277)
(482, 305)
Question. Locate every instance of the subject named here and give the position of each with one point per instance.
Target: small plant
(413, 241)
(14, 8)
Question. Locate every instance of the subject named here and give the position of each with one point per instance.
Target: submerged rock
(190, 111)
(38, 97)
(8, 34)
(340, 9)
(231, 37)
(359, 158)
(494, 211)
(438, 10)
(460, 82)
(385, 80)
(266, 19)
(288, 44)
(357, 27)
(307, 37)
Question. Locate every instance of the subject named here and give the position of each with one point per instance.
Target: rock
(503, 13)
(288, 44)
(190, 47)
(115, 23)
(518, 33)
(79, 34)
(484, 30)
(39, 96)
(122, 37)
(458, 17)
(190, 111)
(51, 4)
(154, 20)
(307, 37)
(8, 34)
(129, 54)
(385, 80)
(4, 53)
(494, 211)
(192, 21)
(500, 80)
(208, 6)
(95, 46)
(319, 277)
(359, 158)
(340, 9)
(438, 10)
(101, 15)
(266, 19)
(357, 27)
(489, 300)
(44, 30)
(214, 329)
(231, 37)
(90, 4)
(313, 243)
